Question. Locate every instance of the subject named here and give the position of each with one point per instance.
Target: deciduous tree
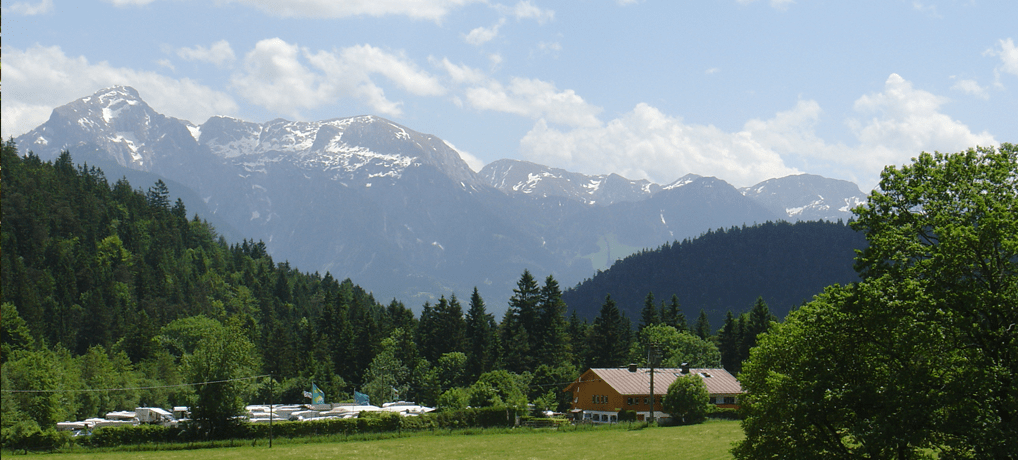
(921, 355)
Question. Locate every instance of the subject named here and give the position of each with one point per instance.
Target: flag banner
(307, 394)
(361, 399)
(317, 396)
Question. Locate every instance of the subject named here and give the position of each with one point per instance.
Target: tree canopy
(687, 400)
(920, 356)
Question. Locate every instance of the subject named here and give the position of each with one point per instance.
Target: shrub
(687, 400)
(627, 415)
(27, 436)
(112, 436)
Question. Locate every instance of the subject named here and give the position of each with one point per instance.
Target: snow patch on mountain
(684, 180)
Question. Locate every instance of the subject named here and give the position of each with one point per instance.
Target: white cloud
(776, 4)
(397, 68)
(129, 2)
(433, 10)
(535, 99)
(276, 78)
(166, 63)
(712, 70)
(971, 87)
(482, 35)
(549, 46)
(646, 143)
(31, 9)
(42, 78)
(628, 2)
(459, 73)
(495, 59)
(527, 10)
(908, 121)
(220, 53)
(1008, 53)
(781, 4)
(923, 8)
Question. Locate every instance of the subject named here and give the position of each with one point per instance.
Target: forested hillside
(113, 298)
(726, 270)
(91, 268)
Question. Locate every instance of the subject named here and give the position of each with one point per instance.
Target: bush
(687, 400)
(483, 417)
(627, 415)
(726, 413)
(112, 436)
(27, 436)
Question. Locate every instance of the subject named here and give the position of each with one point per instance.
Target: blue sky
(744, 90)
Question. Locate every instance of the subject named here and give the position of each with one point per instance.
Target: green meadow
(711, 440)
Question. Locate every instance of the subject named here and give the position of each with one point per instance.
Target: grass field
(711, 440)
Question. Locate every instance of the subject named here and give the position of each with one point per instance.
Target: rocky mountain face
(524, 177)
(400, 212)
(807, 197)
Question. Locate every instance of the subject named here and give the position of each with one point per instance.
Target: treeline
(113, 298)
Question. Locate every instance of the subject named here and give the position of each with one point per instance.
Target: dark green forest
(113, 297)
(727, 270)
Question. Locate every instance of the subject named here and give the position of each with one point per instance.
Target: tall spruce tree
(728, 343)
(518, 326)
(481, 338)
(649, 314)
(550, 330)
(672, 315)
(702, 327)
(608, 345)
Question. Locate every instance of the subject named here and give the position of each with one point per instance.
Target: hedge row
(27, 436)
(113, 436)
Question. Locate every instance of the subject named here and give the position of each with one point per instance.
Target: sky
(743, 90)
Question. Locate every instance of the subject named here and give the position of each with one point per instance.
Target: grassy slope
(710, 440)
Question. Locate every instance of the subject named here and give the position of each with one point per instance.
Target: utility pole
(271, 411)
(652, 356)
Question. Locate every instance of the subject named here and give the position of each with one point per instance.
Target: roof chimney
(685, 368)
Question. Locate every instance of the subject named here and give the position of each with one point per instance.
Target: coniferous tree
(442, 329)
(649, 314)
(481, 337)
(518, 326)
(550, 329)
(728, 343)
(702, 327)
(608, 344)
(578, 330)
(672, 315)
(159, 195)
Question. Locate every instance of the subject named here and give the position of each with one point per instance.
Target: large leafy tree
(687, 400)
(221, 362)
(920, 356)
(676, 347)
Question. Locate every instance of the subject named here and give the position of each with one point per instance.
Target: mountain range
(399, 211)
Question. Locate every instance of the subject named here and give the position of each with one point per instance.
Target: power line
(88, 390)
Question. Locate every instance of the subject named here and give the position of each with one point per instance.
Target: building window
(729, 399)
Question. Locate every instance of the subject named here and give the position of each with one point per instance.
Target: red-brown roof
(718, 381)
